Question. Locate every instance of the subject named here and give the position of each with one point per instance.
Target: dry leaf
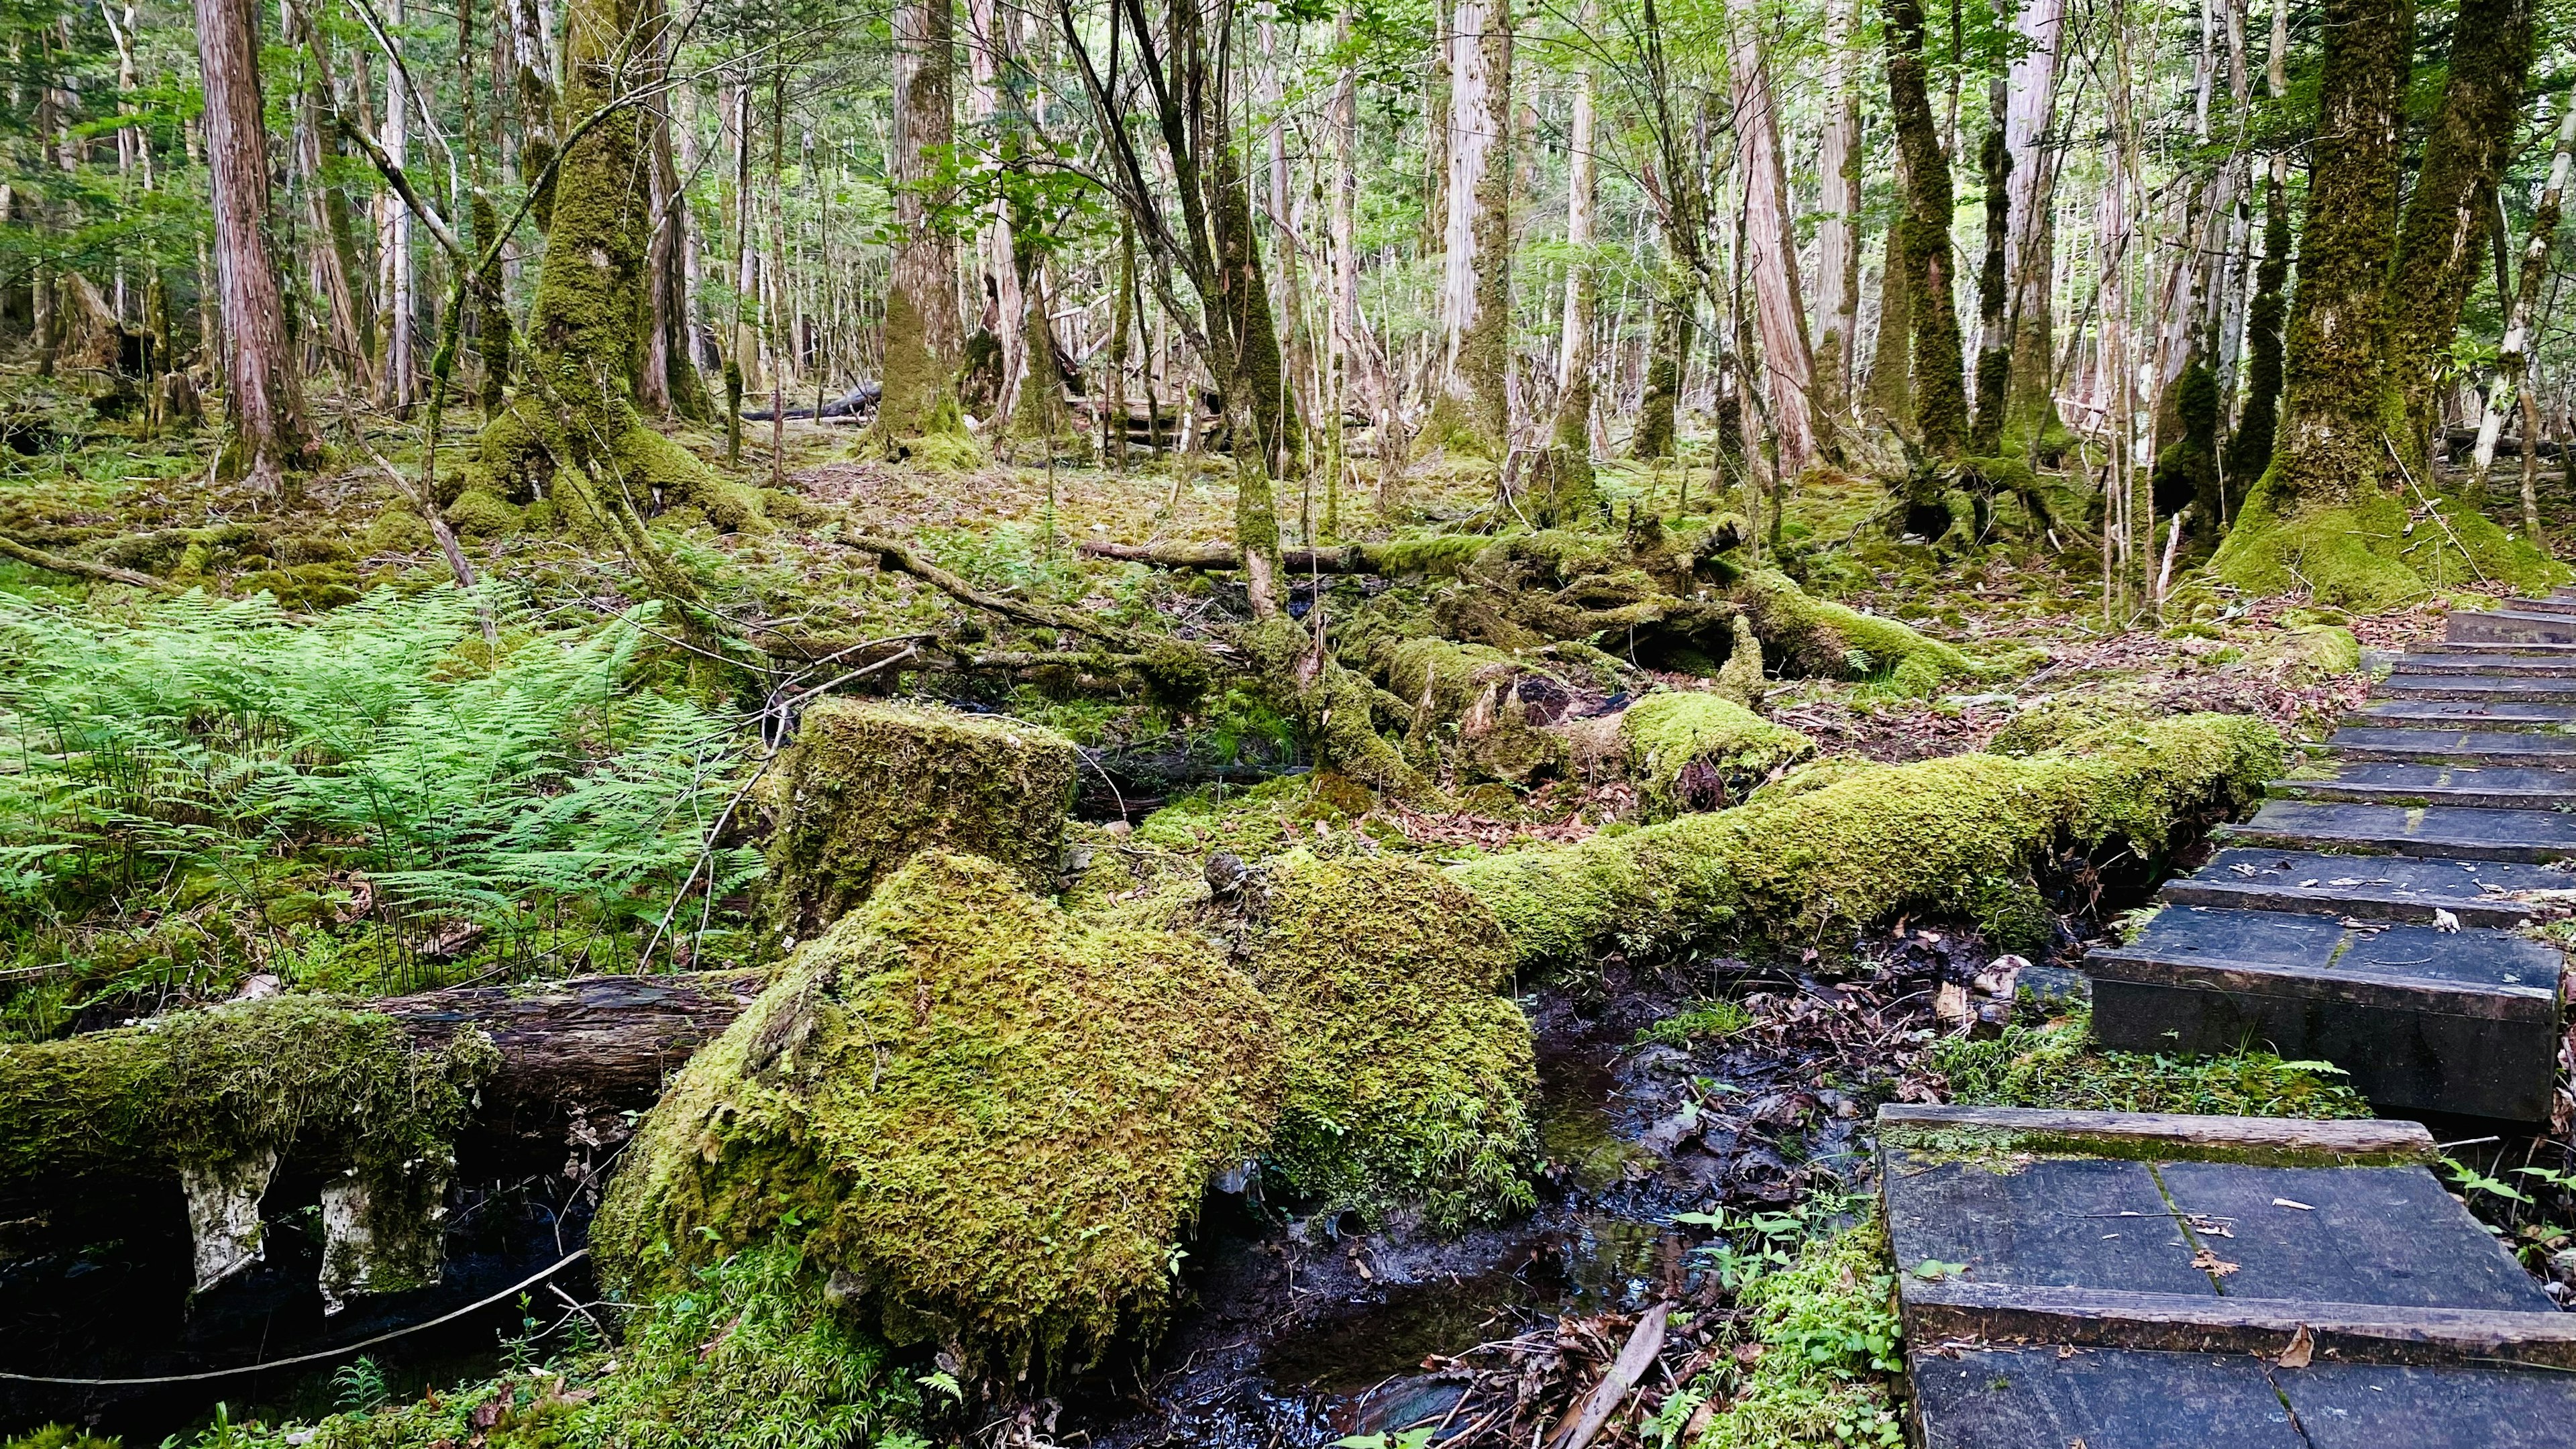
(2302, 1346)
(2209, 1262)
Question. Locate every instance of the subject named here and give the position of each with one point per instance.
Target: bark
(2513, 358)
(596, 1044)
(1940, 388)
(2333, 429)
(2030, 245)
(1473, 412)
(1889, 393)
(1837, 252)
(1780, 311)
(923, 335)
(263, 395)
(399, 384)
(1569, 494)
(1994, 348)
(2453, 205)
(998, 270)
(325, 212)
(1669, 342)
(1355, 350)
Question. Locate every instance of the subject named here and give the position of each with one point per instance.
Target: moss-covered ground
(970, 1130)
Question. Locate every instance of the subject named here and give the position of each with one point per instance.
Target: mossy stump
(1691, 751)
(983, 1119)
(870, 784)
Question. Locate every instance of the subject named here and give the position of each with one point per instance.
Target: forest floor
(1704, 1122)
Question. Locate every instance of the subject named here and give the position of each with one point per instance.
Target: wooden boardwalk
(2127, 1281)
(2368, 917)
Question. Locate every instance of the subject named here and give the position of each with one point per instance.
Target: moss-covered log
(868, 785)
(1959, 836)
(1688, 751)
(1818, 637)
(990, 1121)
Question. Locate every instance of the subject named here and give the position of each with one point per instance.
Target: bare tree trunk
(2513, 359)
(1779, 308)
(2030, 234)
(1472, 413)
(328, 251)
(263, 395)
(1570, 493)
(1003, 303)
(1355, 350)
(401, 377)
(923, 335)
(1837, 250)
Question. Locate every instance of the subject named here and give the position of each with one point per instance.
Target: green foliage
(993, 1118)
(2377, 552)
(345, 795)
(1825, 1317)
(1705, 1019)
(60, 1436)
(2054, 1064)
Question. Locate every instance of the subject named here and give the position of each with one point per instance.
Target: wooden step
(2154, 1282)
(2510, 626)
(2463, 832)
(2520, 716)
(2366, 887)
(2481, 685)
(2523, 659)
(2454, 747)
(2423, 1019)
(2495, 787)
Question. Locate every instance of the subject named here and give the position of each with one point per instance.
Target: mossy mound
(870, 783)
(1690, 751)
(989, 1119)
(2374, 553)
(2308, 653)
(2055, 1064)
(1410, 1076)
(1819, 637)
(1813, 776)
(1960, 835)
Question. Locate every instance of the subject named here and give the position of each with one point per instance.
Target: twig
(83, 568)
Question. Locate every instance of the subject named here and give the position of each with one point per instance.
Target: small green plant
(359, 1386)
(1701, 1019)
(2055, 1064)
(1402, 1439)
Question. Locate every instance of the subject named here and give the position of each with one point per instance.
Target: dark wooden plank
(2460, 832)
(2381, 1406)
(2367, 887)
(2055, 1222)
(2493, 787)
(2000, 1314)
(2457, 747)
(2042, 1398)
(2521, 716)
(2476, 684)
(2164, 1136)
(2557, 660)
(2471, 972)
(2508, 626)
(2387, 1235)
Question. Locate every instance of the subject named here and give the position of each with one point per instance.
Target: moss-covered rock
(1819, 637)
(2308, 653)
(870, 783)
(988, 1119)
(479, 513)
(1690, 751)
(1960, 835)
(1410, 1076)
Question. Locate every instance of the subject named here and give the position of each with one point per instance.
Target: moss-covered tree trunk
(2451, 211)
(1259, 361)
(1939, 380)
(2249, 449)
(924, 338)
(2334, 427)
(1889, 392)
(1668, 342)
(1471, 415)
(1994, 336)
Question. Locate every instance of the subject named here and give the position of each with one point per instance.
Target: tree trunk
(591, 1043)
(1940, 387)
(1837, 250)
(2452, 208)
(2030, 235)
(1570, 494)
(1787, 365)
(923, 335)
(1003, 305)
(1472, 413)
(1669, 342)
(2513, 359)
(1994, 338)
(1889, 392)
(2333, 445)
(329, 250)
(263, 396)
(401, 380)
(2249, 449)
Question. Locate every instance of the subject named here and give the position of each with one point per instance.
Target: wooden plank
(1960, 1311)
(2062, 1223)
(2388, 1406)
(2049, 1398)
(2163, 1136)
(2387, 1235)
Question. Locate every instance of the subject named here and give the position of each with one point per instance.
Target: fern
(216, 757)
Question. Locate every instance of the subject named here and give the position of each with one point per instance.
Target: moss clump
(1956, 834)
(1410, 1077)
(2054, 1064)
(479, 513)
(1690, 751)
(990, 1120)
(398, 529)
(2307, 654)
(1813, 776)
(2372, 553)
(871, 783)
(1819, 637)
(60, 1436)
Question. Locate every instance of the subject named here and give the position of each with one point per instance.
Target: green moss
(2371, 553)
(478, 513)
(2054, 1064)
(60, 1436)
(993, 1120)
(1740, 678)
(1410, 1077)
(871, 783)
(1812, 776)
(1452, 430)
(2307, 654)
(1949, 835)
(1819, 637)
(1689, 751)
(398, 529)
(308, 587)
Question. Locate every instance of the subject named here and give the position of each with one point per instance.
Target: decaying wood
(1643, 1345)
(2347, 1332)
(2269, 1138)
(83, 568)
(588, 1043)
